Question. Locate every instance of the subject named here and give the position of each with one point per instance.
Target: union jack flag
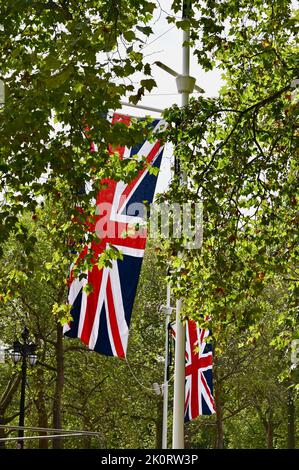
(101, 319)
(198, 372)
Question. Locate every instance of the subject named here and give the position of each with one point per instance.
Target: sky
(165, 45)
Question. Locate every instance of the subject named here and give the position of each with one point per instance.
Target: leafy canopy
(65, 64)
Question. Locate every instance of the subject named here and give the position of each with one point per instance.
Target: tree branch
(50, 5)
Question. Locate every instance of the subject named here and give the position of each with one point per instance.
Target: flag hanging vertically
(101, 319)
(198, 371)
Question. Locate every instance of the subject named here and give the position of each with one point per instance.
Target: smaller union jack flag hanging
(198, 372)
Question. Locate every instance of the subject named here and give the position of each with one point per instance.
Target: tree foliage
(115, 397)
(65, 65)
(239, 152)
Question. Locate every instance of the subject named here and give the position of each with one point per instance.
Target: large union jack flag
(101, 319)
(198, 372)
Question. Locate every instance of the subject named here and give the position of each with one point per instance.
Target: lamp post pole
(168, 310)
(185, 85)
(22, 402)
(23, 352)
(25, 335)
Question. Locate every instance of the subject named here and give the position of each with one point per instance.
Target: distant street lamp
(23, 352)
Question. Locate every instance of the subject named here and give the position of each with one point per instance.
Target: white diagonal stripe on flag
(95, 328)
(119, 307)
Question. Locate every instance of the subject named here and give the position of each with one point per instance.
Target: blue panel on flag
(135, 148)
(103, 344)
(129, 271)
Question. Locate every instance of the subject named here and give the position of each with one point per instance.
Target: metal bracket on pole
(167, 310)
(177, 75)
(140, 106)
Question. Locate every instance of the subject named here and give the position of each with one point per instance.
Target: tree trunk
(2, 432)
(267, 422)
(270, 434)
(219, 423)
(159, 424)
(41, 407)
(188, 436)
(219, 408)
(87, 439)
(291, 420)
(57, 402)
(5, 401)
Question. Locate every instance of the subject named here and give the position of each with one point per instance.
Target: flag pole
(185, 85)
(139, 106)
(168, 310)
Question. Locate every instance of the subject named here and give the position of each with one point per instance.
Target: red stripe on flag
(192, 327)
(149, 159)
(198, 363)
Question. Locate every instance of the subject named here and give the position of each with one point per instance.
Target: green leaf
(147, 30)
(59, 78)
(149, 84)
(52, 62)
(147, 69)
(129, 36)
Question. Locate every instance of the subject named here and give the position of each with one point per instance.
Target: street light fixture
(22, 352)
(16, 356)
(32, 359)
